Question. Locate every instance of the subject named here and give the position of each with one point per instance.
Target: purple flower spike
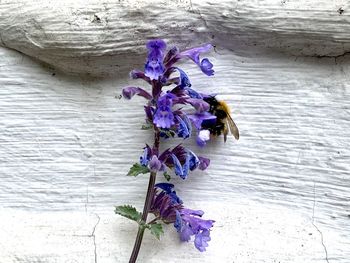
(154, 67)
(164, 117)
(193, 54)
(129, 92)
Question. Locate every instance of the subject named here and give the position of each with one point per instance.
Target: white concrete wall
(279, 194)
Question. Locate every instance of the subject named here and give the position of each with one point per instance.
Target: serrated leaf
(157, 230)
(128, 211)
(167, 176)
(137, 169)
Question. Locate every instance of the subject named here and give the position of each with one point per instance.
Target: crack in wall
(318, 230)
(94, 236)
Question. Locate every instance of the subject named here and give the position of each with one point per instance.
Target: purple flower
(154, 67)
(193, 94)
(199, 104)
(167, 206)
(198, 118)
(203, 163)
(201, 240)
(184, 129)
(164, 117)
(184, 80)
(155, 165)
(137, 74)
(169, 190)
(205, 65)
(190, 163)
(165, 202)
(178, 167)
(193, 160)
(202, 137)
(129, 92)
(146, 156)
(189, 222)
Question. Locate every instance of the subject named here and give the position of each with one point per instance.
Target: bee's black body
(223, 122)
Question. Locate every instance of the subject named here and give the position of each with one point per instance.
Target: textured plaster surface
(279, 194)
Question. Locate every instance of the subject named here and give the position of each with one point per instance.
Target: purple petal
(203, 137)
(184, 80)
(203, 163)
(185, 168)
(129, 92)
(207, 67)
(187, 211)
(193, 160)
(184, 127)
(186, 233)
(171, 54)
(198, 118)
(169, 190)
(201, 240)
(193, 94)
(198, 104)
(180, 153)
(163, 118)
(177, 165)
(178, 224)
(137, 74)
(146, 156)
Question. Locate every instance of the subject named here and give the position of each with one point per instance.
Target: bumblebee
(224, 122)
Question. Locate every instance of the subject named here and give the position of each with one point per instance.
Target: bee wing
(233, 127)
(225, 131)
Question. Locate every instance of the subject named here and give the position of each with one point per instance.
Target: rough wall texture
(99, 37)
(281, 194)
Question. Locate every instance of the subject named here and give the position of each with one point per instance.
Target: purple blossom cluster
(166, 113)
(168, 207)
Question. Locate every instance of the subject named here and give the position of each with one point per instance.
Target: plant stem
(147, 206)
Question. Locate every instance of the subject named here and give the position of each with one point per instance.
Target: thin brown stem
(147, 206)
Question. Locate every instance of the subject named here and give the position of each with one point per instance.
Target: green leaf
(128, 211)
(169, 133)
(147, 126)
(167, 176)
(137, 169)
(156, 230)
